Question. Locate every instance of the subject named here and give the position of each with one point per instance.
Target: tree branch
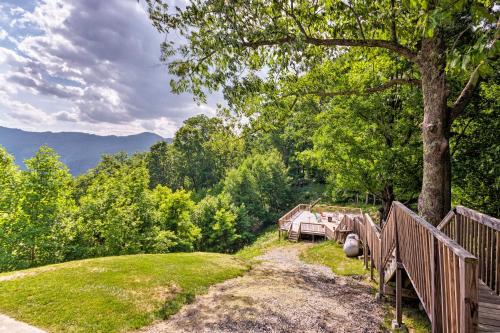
(466, 95)
(371, 90)
(356, 17)
(380, 43)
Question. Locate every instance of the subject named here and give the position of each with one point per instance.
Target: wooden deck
(489, 310)
(454, 268)
(320, 221)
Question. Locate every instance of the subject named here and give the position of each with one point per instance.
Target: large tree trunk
(387, 199)
(435, 198)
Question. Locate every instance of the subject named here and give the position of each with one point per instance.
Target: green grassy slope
(112, 294)
(268, 240)
(330, 254)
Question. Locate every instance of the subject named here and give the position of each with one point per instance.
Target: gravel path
(281, 294)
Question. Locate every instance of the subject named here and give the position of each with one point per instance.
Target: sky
(89, 66)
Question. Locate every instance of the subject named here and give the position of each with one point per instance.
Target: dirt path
(281, 294)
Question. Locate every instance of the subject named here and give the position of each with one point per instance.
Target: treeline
(222, 181)
(199, 193)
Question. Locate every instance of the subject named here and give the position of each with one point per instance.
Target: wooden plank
(442, 298)
(458, 230)
(447, 219)
(479, 217)
(436, 319)
(399, 296)
(469, 295)
(498, 263)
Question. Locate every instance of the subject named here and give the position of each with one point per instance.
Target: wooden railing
(441, 263)
(288, 217)
(353, 224)
(388, 237)
(480, 235)
(373, 243)
(312, 228)
(444, 274)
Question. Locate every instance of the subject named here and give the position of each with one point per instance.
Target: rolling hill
(79, 151)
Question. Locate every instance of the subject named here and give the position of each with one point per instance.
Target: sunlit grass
(266, 241)
(112, 294)
(330, 254)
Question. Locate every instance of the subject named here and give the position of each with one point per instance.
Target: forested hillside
(79, 151)
(318, 104)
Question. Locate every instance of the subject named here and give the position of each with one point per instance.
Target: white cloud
(91, 65)
(3, 34)
(23, 112)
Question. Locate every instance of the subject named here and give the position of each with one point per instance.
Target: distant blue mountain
(79, 151)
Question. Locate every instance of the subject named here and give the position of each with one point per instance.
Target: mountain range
(79, 151)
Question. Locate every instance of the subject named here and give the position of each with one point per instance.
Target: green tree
(205, 149)
(114, 211)
(172, 213)
(10, 196)
(41, 230)
(164, 165)
(476, 152)
(371, 144)
(224, 226)
(261, 184)
(446, 44)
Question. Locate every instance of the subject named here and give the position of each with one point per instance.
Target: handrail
(479, 234)
(314, 203)
(287, 217)
(312, 227)
(442, 272)
(447, 219)
(479, 217)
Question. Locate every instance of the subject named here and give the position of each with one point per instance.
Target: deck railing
(374, 243)
(480, 235)
(312, 228)
(444, 274)
(288, 217)
(440, 262)
(388, 237)
(351, 223)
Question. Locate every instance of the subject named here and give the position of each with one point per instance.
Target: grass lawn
(112, 294)
(330, 254)
(416, 321)
(266, 241)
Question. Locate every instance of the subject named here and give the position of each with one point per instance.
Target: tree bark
(435, 198)
(387, 199)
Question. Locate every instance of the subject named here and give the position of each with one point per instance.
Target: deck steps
(293, 236)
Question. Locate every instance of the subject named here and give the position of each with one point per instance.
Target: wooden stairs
(293, 236)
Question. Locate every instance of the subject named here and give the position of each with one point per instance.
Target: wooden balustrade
(373, 242)
(288, 217)
(444, 274)
(480, 235)
(444, 264)
(312, 228)
(388, 237)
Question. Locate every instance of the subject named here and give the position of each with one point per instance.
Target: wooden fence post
(436, 317)
(458, 230)
(468, 295)
(381, 272)
(365, 246)
(398, 322)
(371, 265)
